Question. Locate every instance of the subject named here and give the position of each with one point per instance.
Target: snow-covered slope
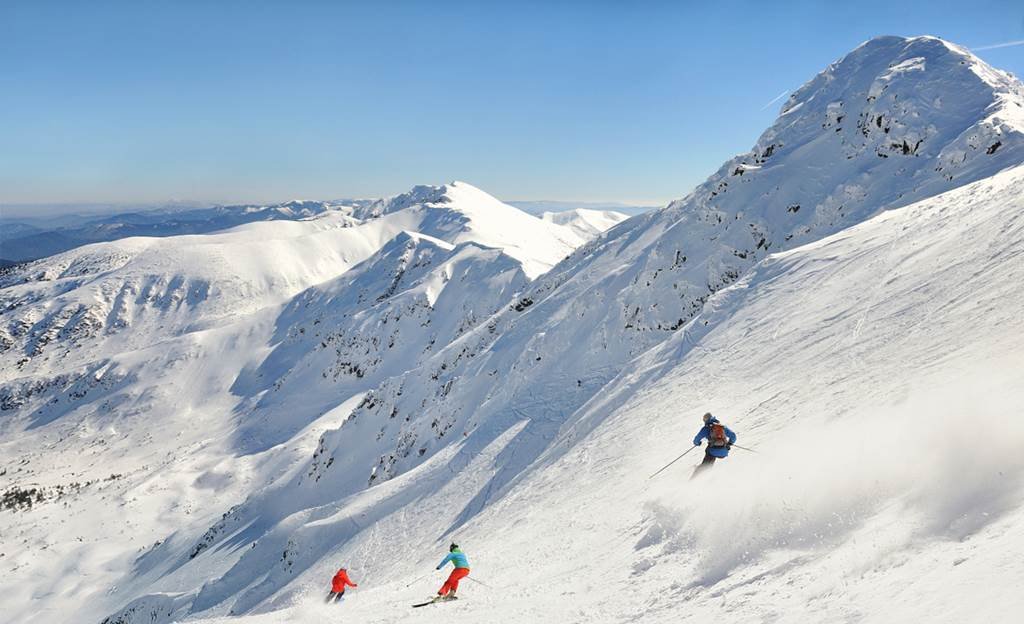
(385, 316)
(181, 373)
(629, 289)
(124, 294)
(860, 367)
(525, 390)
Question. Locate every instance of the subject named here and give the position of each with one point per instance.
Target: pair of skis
(435, 600)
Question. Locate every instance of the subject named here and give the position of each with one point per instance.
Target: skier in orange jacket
(338, 584)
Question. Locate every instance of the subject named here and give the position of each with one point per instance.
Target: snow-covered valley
(203, 428)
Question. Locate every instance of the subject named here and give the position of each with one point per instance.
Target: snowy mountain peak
(303, 207)
(455, 196)
(902, 97)
(906, 55)
(459, 212)
(424, 195)
(935, 50)
(893, 121)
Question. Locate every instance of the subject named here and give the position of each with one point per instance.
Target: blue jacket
(714, 451)
(457, 558)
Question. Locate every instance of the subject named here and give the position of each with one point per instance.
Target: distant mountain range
(24, 238)
(540, 206)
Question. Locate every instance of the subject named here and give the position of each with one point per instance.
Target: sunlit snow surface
(879, 374)
(218, 422)
(142, 380)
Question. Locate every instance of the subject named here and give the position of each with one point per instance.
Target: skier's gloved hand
(696, 443)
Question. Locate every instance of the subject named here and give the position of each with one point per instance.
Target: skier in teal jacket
(461, 571)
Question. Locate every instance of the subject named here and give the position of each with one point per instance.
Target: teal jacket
(457, 558)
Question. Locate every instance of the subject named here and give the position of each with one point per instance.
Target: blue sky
(261, 101)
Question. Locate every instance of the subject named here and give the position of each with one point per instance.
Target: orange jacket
(340, 580)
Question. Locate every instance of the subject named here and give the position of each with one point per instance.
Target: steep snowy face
(414, 296)
(892, 122)
(383, 317)
(855, 366)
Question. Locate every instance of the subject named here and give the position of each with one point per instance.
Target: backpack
(716, 435)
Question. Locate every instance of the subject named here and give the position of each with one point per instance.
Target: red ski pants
(452, 584)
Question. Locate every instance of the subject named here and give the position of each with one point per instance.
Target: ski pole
(744, 448)
(672, 462)
(479, 582)
(417, 580)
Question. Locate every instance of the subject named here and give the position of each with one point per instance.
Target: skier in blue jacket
(720, 439)
(461, 571)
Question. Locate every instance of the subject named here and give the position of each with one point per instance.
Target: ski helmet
(707, 417)
(453, 547)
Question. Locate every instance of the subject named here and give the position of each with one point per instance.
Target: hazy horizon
(46, 210)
